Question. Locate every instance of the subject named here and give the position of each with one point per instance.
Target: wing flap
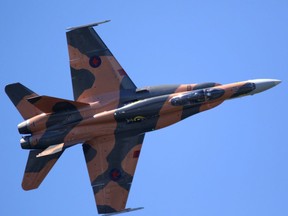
(53, 149)
(111, 163)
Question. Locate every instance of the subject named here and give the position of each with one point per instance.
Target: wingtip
(87, 25)
(123, 211)
(9, 86)
(27, 186)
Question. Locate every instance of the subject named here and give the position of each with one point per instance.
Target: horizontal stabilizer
(51, 104)
(53, 149)
(124, 211)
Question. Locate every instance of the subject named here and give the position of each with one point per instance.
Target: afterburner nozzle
(23, 127)
(25, 142)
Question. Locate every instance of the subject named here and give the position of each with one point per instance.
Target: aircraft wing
(111, 163)
(96, 74)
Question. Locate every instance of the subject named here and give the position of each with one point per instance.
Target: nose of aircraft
(263, 84)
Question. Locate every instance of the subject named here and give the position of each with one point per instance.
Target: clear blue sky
(232, 160)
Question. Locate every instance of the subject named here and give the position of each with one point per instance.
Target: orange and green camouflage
(109, 117)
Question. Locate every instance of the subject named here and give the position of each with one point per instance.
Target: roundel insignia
(95, 61)
(115, 174)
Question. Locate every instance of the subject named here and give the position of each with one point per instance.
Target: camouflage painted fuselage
(145, 110)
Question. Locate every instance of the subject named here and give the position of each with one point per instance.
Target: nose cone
(263, 84)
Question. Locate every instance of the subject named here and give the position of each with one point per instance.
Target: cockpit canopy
(197, 96)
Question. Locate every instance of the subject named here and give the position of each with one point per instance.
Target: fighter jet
(109, 117)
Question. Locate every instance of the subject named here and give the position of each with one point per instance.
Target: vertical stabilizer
(37, 168)
(19, 94)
